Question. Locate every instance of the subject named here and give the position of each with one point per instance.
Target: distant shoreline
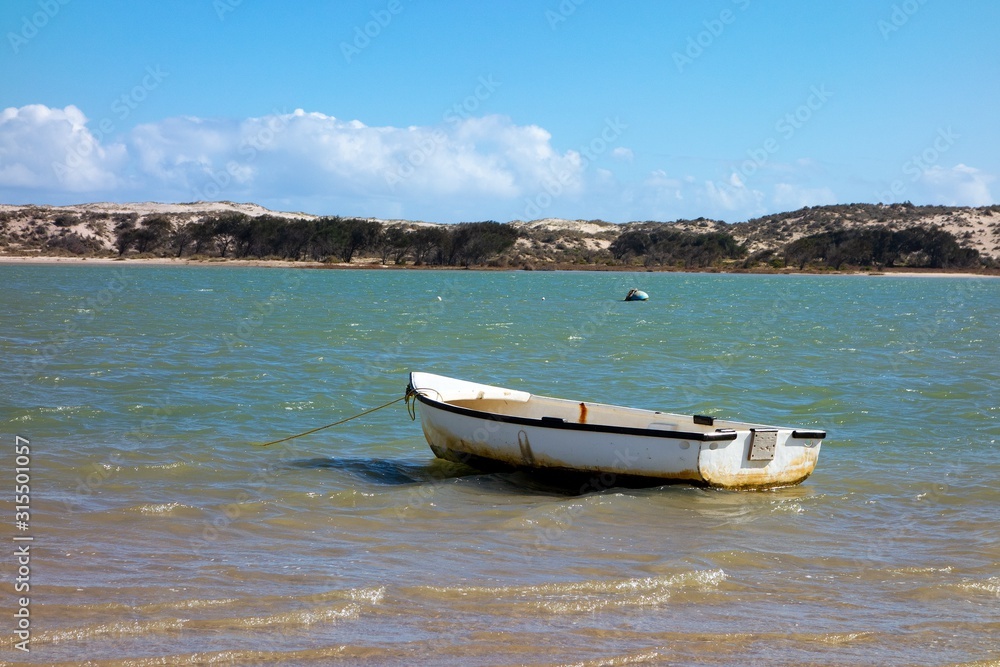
(376, 266)
(825, 240)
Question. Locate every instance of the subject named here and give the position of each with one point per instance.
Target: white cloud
(732, 199)
(661, 196)
(465, 168)
(789, 197)
(40, 146)
(623, 154)
(960, 185)
(297, 155)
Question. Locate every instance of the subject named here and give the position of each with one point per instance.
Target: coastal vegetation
(879, 247)
(843, 237)
(666, 247)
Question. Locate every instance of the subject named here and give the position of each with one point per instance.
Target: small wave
(990, 586)
(369, 595)
(302, 618)
(158, 508)
(372, 596)
(117, 629)
(59, 409)
(788, 506)
(254, 656)
(582, 596)
(616, 661)
(165, 466)
(920, 570)
(847, 638)
(328, 607)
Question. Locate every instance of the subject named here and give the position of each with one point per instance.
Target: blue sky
(454, 111)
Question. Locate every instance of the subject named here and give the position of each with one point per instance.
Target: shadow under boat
(389, 471)
(393, 472)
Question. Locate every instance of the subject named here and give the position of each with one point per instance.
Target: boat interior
(565, 411)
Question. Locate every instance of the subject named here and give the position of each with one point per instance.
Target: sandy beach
(374, 264)
(164, 261)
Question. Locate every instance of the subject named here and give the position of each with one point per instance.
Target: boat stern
(761, 458)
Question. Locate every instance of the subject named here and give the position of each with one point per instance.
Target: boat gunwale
(717, 436)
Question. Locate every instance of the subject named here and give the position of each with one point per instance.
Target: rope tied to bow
(409, 408)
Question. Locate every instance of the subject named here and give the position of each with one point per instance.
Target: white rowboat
(495, 428)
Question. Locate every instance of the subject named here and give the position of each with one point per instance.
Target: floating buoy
(439, 298)
(636, 295)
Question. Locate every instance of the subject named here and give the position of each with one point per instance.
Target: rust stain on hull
(583, 413)
(525, 446)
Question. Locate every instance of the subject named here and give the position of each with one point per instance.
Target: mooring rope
(337, 423)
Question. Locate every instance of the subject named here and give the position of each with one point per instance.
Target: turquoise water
(162, 531)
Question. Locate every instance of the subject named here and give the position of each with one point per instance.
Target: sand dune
(977, 228)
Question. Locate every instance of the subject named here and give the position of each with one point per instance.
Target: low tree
(183, 237)
(152, 232)
(393, 242)
(227, 228)
(357, 235)
(125, 232)
(669, 246)
(915, 246)
(66, 220)
(202, 235)
(428, 244)
(261, 237)
(474, 242)
(631, 244)
(298, 234)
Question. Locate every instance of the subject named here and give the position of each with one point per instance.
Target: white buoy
(439, 298)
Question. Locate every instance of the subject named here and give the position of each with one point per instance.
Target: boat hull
(493, 427)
